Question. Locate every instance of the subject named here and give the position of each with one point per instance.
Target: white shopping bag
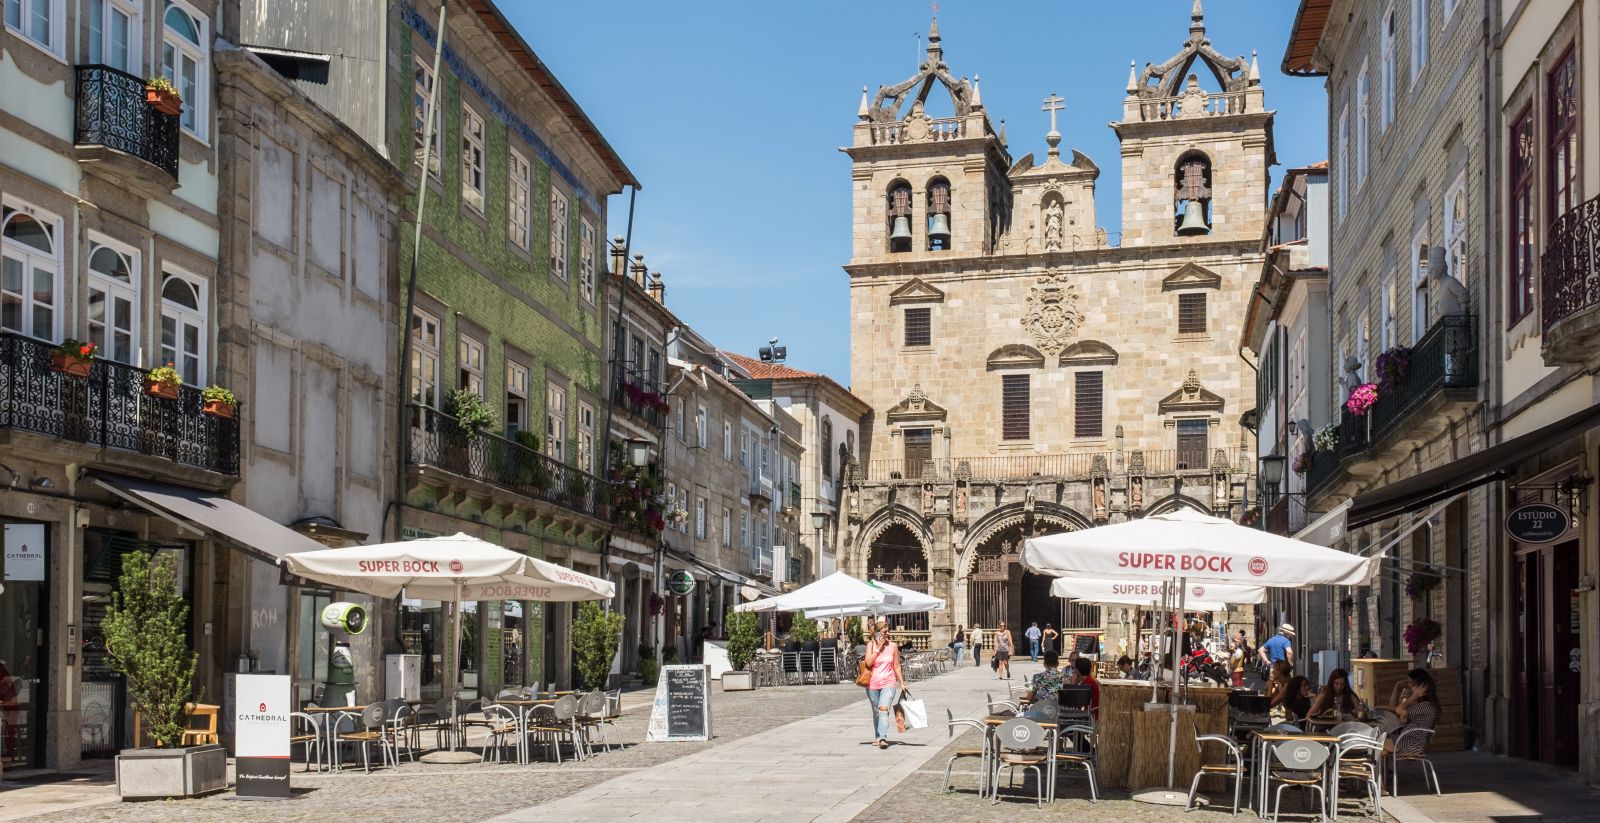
(915, 710)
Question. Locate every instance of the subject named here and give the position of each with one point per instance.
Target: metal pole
(404, 383)
(1172, 699)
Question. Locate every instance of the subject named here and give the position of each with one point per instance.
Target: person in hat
(1280, 647)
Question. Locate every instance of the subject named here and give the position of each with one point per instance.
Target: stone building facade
(1029, 373)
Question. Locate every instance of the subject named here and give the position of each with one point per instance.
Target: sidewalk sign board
(682, 709)
(261, 736)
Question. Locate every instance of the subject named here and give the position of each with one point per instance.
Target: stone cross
(1052, 104)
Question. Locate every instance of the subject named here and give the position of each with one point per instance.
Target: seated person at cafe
(1297, 698)
(1125, 668)
(1277, 689)
(1415, 701)
(1336, 698)
(1085, 672)
(1048, 682)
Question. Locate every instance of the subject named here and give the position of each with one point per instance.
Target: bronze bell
(939, 229)
(1194, 220)
(901, 232)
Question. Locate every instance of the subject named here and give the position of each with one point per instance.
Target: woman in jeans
(959, 645)
(883, 657)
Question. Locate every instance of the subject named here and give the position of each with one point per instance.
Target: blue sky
(731, 115)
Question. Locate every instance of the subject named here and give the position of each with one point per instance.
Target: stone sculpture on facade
(1053, 313)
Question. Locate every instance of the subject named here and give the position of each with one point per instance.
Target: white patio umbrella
(836, 592)
(1185, 546)
(456, 568)
(911, 602)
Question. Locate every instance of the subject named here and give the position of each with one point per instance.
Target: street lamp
(1269, 477)
(819, 521)
(638, 453)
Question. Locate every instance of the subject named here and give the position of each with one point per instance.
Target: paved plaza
(798, 753)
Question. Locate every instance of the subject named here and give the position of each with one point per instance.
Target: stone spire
(935, 51)
(862, 112)
(1255, 69)
(1003, 131)
(1133, 77)
(1197, 19)
(977, 99)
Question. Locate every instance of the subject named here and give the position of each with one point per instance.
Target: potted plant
(1362, 399)
(1420, 634)
(1393, 366)
(743, 638)
(163, 381)
(1326, 439)
(146, 641)
(649, 669)
(73, 357)
(595, 636)
(577, 488)
(219, 401)
(1302, 462)
(472, 413)
(162, 96)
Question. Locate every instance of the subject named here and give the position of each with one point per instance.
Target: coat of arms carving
(1053, 314)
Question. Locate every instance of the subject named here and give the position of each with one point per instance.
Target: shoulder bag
(864, 673)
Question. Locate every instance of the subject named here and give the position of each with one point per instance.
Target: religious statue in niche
(927, 501)
(1450, 298)
(1052, 224)
(1028, 499)
(1136, 494)
(1099, 498)
(961, 504)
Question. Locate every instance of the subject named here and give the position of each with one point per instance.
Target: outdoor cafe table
(524, 708)
(1263, 763)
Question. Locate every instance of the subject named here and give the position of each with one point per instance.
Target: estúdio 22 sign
(1537, 523)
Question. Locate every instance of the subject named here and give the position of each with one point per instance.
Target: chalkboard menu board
(682, 709)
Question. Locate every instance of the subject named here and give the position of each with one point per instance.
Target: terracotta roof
(767, 371)
(1299, 58)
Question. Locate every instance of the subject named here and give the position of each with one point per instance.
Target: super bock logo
(1258, 566)
(456, 567)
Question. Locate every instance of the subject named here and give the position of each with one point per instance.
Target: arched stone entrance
(997, 588)
(896, 555)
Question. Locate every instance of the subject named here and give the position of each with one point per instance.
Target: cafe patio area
(781, 753)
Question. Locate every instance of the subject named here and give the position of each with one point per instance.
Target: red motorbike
(1200, 664)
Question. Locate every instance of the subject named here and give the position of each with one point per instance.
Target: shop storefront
(24, 603)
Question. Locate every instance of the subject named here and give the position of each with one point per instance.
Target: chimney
(640, 275)
(618, 255)
(658, 289)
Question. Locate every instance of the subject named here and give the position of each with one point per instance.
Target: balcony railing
(761, 488)
(1571, 265)
(1324, 468)
(1068, 466)
(794, 495)
(1213, 104)
(436, 439)
(112, 113)
(110, 408)
(1445, 358)
(643, 398)
(1352, 433)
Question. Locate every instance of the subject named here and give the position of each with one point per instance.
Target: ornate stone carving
(1136, 462)
(1052, 224)
(927, 501)
(1099, 498)
(916, 407)
(1190, 397)
(960, 507)
(1136, 495)
(1053, 313)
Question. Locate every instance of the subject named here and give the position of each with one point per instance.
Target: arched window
(899, 216)
(1192, 195)
(30, 288)
(113, 300)
(183, 326)
(827, 448)
(185, 50)
(938, 214)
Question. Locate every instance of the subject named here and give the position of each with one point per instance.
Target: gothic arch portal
(1174, 502)
(1048, 518)
(882, 521)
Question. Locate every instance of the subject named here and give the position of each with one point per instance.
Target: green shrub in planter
(146, 636)
(802, 629)
(595, 637)
(743, 638)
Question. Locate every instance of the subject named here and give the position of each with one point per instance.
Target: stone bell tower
(1194, 160)
(929, 169)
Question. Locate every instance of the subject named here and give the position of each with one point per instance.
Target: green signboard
(681, 582)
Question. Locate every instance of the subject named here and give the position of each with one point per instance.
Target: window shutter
(1192, 313)
(1014, 399)
(1088, 416)
(919, 327)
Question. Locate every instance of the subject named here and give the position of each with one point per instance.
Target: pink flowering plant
(1302, 462)
(1362, 399)
(1420, 634)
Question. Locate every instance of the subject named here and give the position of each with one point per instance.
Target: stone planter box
(737, 681)
(156, 773)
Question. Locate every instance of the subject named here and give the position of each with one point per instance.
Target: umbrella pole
(455, 672)
(1172, 734)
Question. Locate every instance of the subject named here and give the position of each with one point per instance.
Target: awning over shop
(1469, 472)
(709, 568)
(1327, 529)
(211, 514)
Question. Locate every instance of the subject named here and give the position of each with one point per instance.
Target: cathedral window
(1192, 313)
(1088, 404)
(1015, 397)
(1192, 201)
(900, 217)
(939, 215)
(919, 326)
(1193, 443)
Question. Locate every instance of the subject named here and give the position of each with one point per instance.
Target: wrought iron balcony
(643, 398)
(439, 440)
(111, 408)
(794, 495)
(1324, 468)
(1444, 360)
(112, 114)
(761, 489)
(1570, 297)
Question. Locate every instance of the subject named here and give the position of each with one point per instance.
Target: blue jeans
(1034, 645)
(882, 702)
(959, 648)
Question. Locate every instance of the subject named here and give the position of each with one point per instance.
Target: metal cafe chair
(1396, 758)
(1297, 763)
(982, 753)
(1022, 742)
(1084, 748)
(1358, 756)
(1233, 767)
(306, 731)
(503, 724)
(367, 730)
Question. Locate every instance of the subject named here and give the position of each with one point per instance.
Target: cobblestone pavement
(417, 791)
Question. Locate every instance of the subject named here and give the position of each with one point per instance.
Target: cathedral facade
(1029, 372)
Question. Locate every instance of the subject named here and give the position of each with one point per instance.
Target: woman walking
(977, 644)
(959, 645)
(1050, 637)
(1003, 644)
(883, 657)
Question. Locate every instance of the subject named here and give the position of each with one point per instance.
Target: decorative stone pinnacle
(1133, 78)
(977, 98)
(862, 111)
(1255, 69)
